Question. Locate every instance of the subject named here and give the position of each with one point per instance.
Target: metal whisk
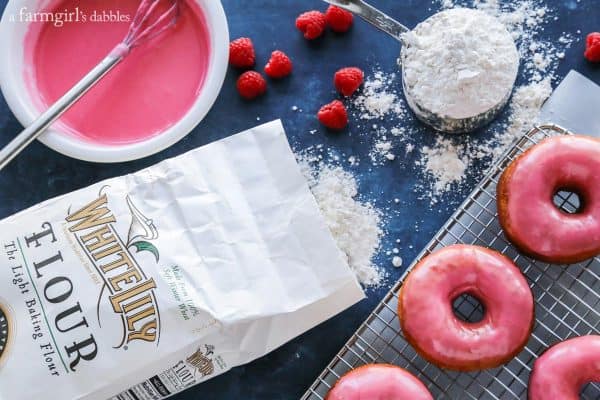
(150, 20)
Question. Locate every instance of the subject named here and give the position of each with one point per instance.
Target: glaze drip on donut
(427, 316)
(526, 189)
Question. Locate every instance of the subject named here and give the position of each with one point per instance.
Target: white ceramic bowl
(13, 85)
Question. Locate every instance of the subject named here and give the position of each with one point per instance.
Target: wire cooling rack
(567, 304)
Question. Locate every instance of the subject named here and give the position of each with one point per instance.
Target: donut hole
(468, 308)
(590, 390)
(568, 201)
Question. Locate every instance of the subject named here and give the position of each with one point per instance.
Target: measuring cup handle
(373, 16)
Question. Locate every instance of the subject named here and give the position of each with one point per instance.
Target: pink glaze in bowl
(172, 121)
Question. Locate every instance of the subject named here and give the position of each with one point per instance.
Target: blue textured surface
(39, 173)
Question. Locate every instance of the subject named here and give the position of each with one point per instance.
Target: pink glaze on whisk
(152, 18)
(151, 89)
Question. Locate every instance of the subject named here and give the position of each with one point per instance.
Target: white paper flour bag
(141, 286)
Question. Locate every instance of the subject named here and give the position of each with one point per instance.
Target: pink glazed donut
(563, 369)
(527, 213)
(379, 382)
(427, 317)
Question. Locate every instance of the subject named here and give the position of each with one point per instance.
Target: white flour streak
(355, 225)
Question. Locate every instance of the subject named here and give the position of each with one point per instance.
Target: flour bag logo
(127, 289)
(5, 331)
(201, 362)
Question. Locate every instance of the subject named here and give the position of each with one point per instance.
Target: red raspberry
(347, 80)
(312, 24)
(339, 20)
(251, 84)
(592, 48)
(279, 65)
(333, 115)
(241, 53)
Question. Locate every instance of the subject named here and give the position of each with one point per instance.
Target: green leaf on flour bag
(146, 246)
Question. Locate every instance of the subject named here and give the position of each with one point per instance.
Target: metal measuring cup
(395, 29)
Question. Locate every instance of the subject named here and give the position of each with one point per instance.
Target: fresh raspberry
(339, 20)
(279, 65)
(333, 115)
(312, 24)
(592, 48)
(251, 84)
(241, 53)
(347, 80)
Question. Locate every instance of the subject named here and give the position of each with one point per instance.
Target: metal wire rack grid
(567, 304)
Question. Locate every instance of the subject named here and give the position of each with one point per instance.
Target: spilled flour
(446, 161)
(524, 110)
(355, 225)
(399, 146)
(525, 20)
(378, 98)
(383, 120)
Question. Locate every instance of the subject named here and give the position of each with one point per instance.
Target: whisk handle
(29, 134)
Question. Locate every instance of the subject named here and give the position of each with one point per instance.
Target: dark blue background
(39, 173)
